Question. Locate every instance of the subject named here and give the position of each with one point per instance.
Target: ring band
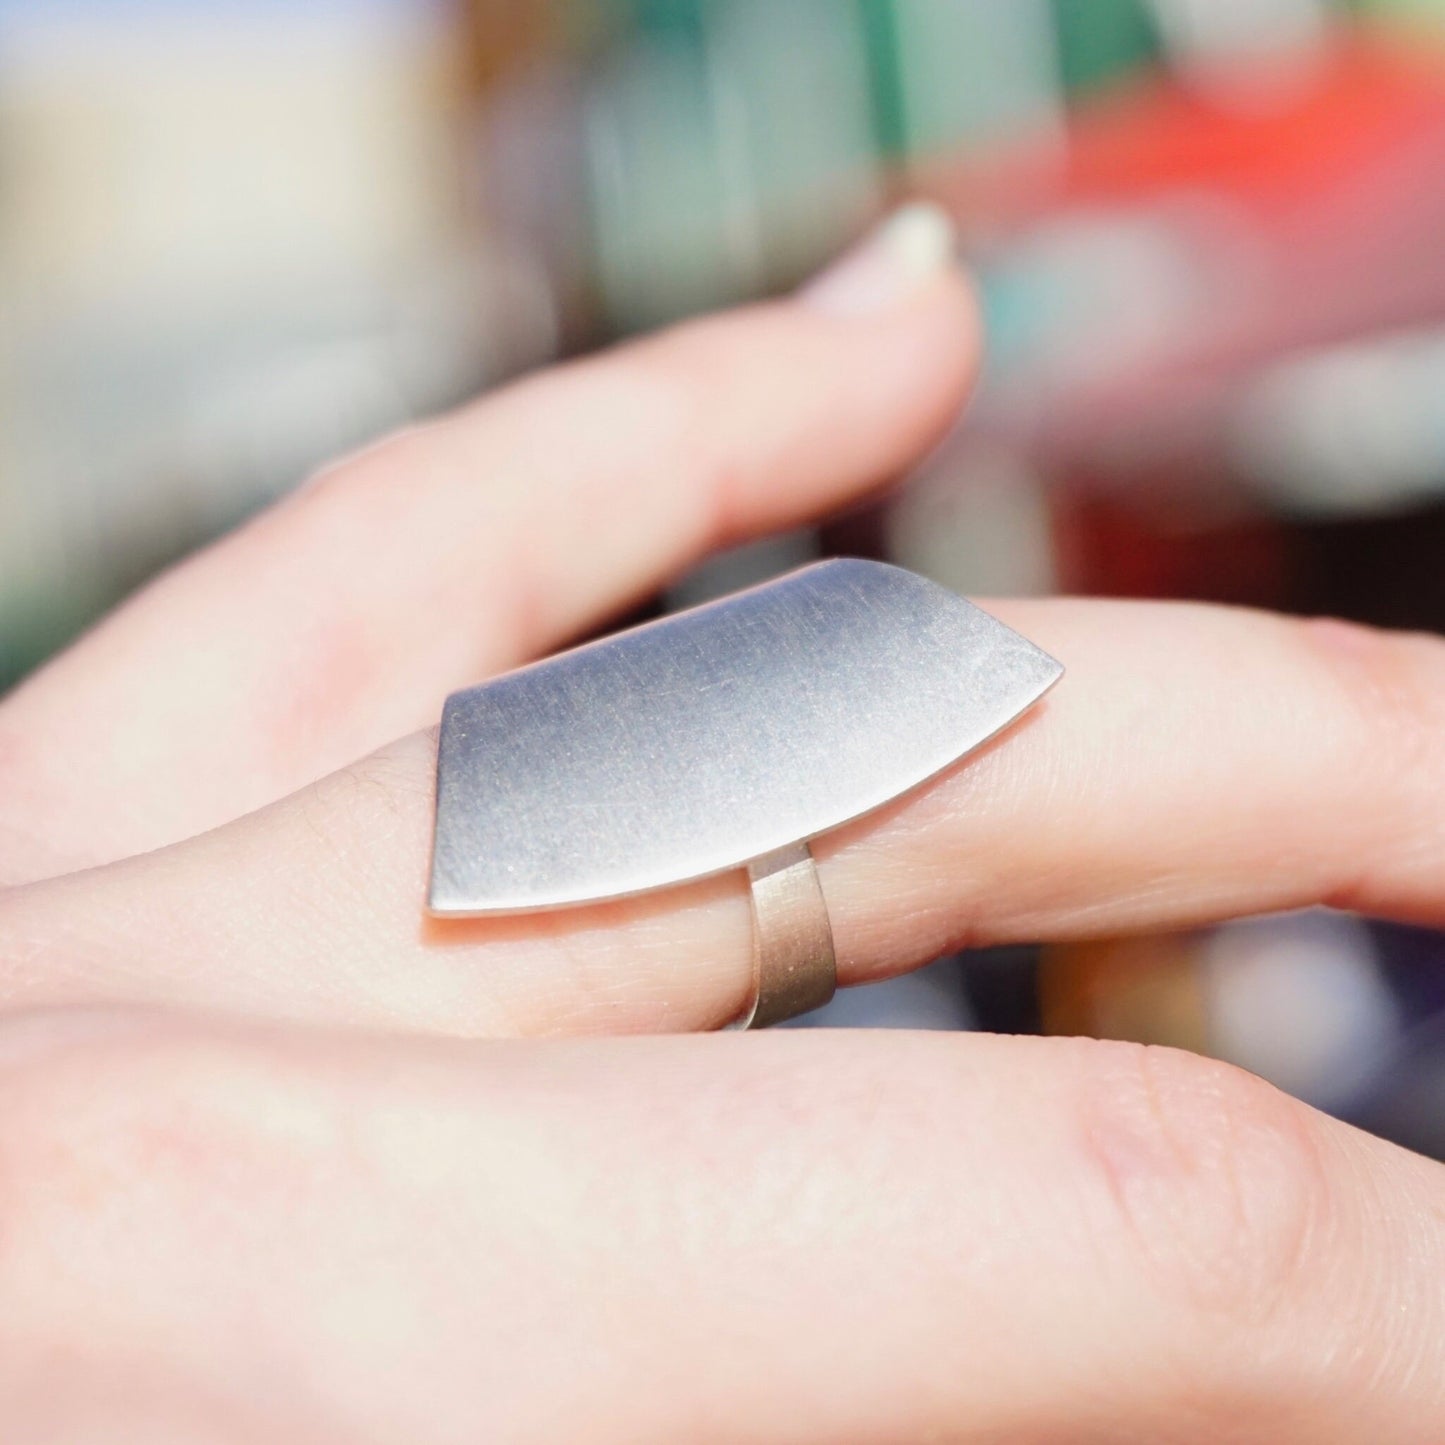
(795, 969)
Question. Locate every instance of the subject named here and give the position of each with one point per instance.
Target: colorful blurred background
(239, 236)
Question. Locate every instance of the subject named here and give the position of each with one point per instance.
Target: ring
(724, 738)
(794, 967)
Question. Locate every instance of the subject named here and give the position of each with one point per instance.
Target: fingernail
(910, 249)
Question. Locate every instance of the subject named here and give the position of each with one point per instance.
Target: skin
(280, 1160)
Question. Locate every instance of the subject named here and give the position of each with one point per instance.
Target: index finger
(340, 619)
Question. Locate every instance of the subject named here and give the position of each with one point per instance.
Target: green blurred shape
(796, 118)
(34, 628)
(725, 160)
(976, 73)
(880, 30)
(684, 18)
(658, 18)
(662, 186)
(1101, 41)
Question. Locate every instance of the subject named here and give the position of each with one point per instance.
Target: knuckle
(105, 1116)
(1391, 688)
(1212, 1179)
(142, 1166)
(63, 1082)
(386, 464)
(1393, 683)
(1400, 673)
(394, 777)
(376, 794)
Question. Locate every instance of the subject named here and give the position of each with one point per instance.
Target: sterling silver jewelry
(722, 738)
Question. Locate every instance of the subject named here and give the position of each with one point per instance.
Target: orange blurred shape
(1144, 990)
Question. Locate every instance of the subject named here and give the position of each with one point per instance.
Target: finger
(1195, 763)
(341, 619)
(813, 1238)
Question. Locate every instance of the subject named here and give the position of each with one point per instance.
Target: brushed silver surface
(703, 741)
(794, 967)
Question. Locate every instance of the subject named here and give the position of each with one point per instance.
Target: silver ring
(719, 739)
(794, 967)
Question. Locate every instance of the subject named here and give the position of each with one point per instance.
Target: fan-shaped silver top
(700, 742)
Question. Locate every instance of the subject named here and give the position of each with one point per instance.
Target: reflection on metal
(708, 740)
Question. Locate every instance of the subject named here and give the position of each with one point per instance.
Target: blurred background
(240, 236)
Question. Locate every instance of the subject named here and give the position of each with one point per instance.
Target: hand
(271, 1171)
